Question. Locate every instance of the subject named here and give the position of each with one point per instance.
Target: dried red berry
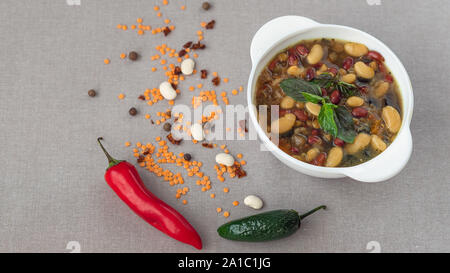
(204, 74)
(216, 81)
(210, 25)
(182, 53)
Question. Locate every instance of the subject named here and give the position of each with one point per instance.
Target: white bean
(312, 154)
(283, 124)
(167, 91)
(225, 159)
(253, 202)
(313, 108)
(349, 78)
(392, 119)
(197, 132)
(355, 49)
(355, 101)
(294, 70)
(187, 66)
(335, 156)
(287, 102)
(377, 143)
(361, 142)
(381, 89)
(364, 71)
(315, 55)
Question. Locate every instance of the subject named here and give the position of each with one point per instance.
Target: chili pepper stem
(311, 212)
(111, 161)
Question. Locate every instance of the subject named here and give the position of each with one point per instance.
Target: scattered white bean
(253, 202)
(187, 66)
(197, 132)
(225, 159)
(167, 91)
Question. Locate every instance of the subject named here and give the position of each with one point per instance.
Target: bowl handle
(387, 164)
(276, 30)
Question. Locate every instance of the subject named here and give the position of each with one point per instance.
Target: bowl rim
(407, 109)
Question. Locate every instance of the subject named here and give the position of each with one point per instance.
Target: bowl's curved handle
(274, 31)
(387, 164)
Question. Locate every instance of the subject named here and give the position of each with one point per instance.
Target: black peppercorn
(92, 93)
(187, 157)
(167, 127)
(133, 56)
(206, 5)
(132, 111)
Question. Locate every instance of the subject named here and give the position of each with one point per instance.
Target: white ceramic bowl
(285, 31)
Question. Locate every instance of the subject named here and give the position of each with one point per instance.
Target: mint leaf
(326, 119)
(294, 87)
(345, 124)
(312, 98)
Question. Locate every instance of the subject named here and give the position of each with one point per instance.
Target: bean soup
(339, 105)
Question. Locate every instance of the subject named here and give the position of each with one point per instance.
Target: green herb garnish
(333, 119)
(328, 81)
(292, 87)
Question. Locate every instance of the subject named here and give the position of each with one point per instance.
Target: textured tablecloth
(52, 193)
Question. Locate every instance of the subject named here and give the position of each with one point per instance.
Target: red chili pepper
(124, 179)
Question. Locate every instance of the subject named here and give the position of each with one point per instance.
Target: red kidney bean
(381, 67)
(359, 112)
(283, 112)
(333, 70)
(295, 150)
(335, 97)
(363, 89)
(310, 74)
(339, 142)
(315, 132)
(389, 78)
(348, 63)
(324, 92)
(273, 64)
(320, 159)
(302, 50)
(314, 139)
(375, 56)
(300, 114)
(292, 60)
(318, 65)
